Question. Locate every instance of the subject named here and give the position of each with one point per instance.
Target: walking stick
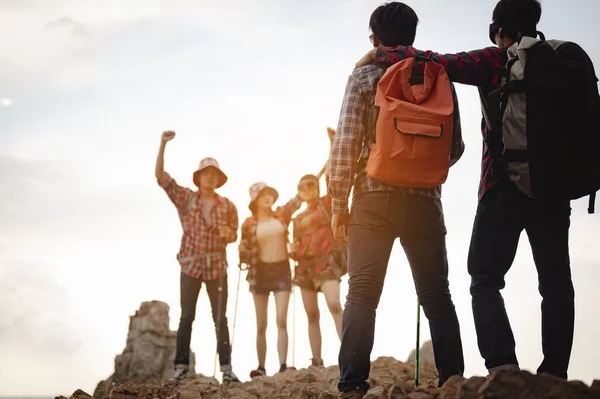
(293, 326)
(237, 295)
(219, 322)
(418, 345)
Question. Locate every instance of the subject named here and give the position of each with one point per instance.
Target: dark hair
(309, 177)
(394, 24)
(517, 17)
(312, 178)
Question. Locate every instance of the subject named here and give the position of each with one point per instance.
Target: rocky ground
(146, 362)
(390, 379)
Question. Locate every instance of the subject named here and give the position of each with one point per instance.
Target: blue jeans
(376, 220)
(502, 214)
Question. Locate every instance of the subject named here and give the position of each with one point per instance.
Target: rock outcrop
(425, 354)
(149, 351)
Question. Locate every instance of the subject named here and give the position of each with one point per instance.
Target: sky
(86, 234)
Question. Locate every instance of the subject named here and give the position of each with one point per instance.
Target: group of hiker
(398, 134)
(210, 222)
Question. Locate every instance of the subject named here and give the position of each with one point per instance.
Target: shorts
(306, 277)
(270, 277)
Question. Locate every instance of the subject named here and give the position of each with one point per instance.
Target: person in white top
(264, 248)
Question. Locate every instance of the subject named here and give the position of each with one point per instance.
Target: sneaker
(181, 372)
(229, 377)
(285, 367)
(351, 395)
(259, 372)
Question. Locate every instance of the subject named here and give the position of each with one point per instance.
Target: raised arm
(159, 170)
(178, 195)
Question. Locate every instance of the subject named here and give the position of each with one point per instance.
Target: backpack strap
(592, 204)
(494, 141)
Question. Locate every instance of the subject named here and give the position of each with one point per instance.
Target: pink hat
(256, 189)
(210, 163)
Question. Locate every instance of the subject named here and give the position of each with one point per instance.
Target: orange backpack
(413, 130)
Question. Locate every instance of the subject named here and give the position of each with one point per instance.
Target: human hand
(167, 136)
(367, 59)
(225, 232)
(339, 227)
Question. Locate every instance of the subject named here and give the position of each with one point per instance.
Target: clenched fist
(168, 136)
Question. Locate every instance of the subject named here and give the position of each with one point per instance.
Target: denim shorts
(270, 277)
(306, 277)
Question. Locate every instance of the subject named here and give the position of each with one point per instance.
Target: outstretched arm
(476, 68)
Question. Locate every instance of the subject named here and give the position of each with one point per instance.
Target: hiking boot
(181, 372)
(351, 395)
(259, 372)
(229, 377)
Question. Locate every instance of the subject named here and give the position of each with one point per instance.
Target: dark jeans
(502, 214)
(376, 220)
(190, 289)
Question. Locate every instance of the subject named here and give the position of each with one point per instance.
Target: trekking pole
(219, 321)
(418, 345)
(293, 326)
(237, 295)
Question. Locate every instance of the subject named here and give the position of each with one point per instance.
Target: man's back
(382, 213)
(354, 137)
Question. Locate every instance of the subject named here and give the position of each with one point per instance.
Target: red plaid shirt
(482, 68)
(202, 252)
(312, 232)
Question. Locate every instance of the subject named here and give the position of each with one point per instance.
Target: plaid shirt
(312, 232)
(352, 142)
(483, 68)
(284, 214)
(202, 252)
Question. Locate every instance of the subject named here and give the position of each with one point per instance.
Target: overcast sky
(86, 235)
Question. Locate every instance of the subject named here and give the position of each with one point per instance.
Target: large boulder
(149, 351)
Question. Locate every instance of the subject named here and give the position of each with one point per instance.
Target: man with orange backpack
(397, 136)
(540, 102)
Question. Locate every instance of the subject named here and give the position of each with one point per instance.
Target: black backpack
(544, 120)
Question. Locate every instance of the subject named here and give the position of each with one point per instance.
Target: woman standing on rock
(264, 249)
(320, 260)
